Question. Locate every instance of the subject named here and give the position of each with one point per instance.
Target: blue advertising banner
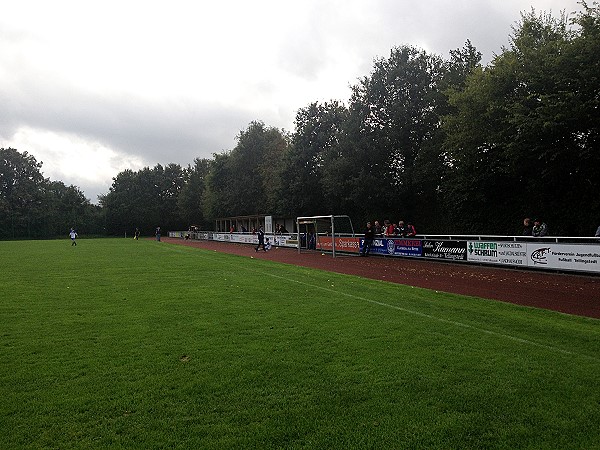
(395, 247)
(405, 247)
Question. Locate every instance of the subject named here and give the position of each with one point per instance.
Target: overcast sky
(94, 88)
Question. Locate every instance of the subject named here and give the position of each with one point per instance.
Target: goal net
(319, 233)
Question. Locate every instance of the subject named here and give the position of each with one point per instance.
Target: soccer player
(73, 236)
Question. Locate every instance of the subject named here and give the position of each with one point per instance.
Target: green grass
(137, 344)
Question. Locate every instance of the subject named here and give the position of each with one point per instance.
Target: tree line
(447, 143)
(34, 207)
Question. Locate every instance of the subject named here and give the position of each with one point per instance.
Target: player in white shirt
(73, 236)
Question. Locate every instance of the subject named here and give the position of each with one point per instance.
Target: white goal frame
(313, 220)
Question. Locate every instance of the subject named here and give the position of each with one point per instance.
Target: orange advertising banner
(342, 244)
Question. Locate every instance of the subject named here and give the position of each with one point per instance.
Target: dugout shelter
(320, 232)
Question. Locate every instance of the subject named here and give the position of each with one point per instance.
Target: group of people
(538, 228)
(388, 230)
(392, 229)
(280, 229)
(535, 227)
(243, 229)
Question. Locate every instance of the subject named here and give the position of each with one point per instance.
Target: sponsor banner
(284, 240)
(452, 250)
(505, 253)
(541, 255)
(205, 235)
(395, 247)
(379, 246)
(342, 244)
(580, 257)
(278, 240)
(236, 238)
(405, 247)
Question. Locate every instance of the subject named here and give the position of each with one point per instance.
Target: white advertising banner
(541, 255)
(285, 240)
(505, 253)
(237, 238)
(582, 257)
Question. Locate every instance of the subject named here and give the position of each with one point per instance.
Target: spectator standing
(527, 227)
(136, 234)
(368, 242)
(157, 234)
(377, 229)
(540, 229)
(410, 230)
(401, 229)
(388, 228)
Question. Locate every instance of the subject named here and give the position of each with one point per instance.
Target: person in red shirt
(388, 228)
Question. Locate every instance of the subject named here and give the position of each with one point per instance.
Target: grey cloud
(327, 38)
(149, 129)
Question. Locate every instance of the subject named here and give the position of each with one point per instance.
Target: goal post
(319, 232)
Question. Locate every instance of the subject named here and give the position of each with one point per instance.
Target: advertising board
(395, 247)
(284, 240)
(405, 247)
(379, 246)
(342, 244)
(237, 238)
(451, 250)
(278, 240)
(583, 258)
(540, 255)
(505, 253)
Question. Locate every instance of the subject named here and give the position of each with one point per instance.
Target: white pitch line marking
(439, 319)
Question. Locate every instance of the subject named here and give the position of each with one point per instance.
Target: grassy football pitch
(138, 344)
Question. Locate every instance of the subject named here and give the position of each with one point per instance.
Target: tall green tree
(32, 206)
(190, 200)
(522, 138)
(246, 180)
(21, 193)
(217, 198)
(66, 207)
(393, 114)
(120, 202)
(318, 129)
(170, 181)
(144, 199)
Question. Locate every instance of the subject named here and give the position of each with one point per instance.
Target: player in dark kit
(261, 239)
